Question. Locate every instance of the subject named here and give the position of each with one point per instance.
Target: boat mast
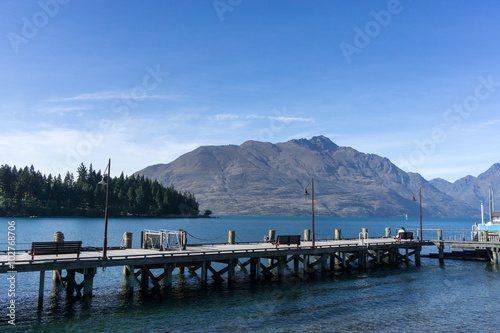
(491, 204)
(482, 213)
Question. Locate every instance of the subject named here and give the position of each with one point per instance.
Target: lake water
(458, 296)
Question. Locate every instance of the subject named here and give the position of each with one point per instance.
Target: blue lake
(457, 296)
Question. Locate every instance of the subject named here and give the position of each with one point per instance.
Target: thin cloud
(292, 119)
(283, 119)
(225, 116)
(61, 110)
(111, 95)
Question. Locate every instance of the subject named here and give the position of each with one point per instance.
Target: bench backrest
(56, 247)
(288, 239)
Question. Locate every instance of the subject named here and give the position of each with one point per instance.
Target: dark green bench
(287, 240)
(40, 248)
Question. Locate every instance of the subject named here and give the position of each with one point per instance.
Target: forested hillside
(26, 192)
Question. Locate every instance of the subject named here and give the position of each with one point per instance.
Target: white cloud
(110, 95)
(225, 116)
(291, 119)
(63, 110)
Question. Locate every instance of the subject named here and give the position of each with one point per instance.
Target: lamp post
(420, 201)
(312, 200)
(102, 182)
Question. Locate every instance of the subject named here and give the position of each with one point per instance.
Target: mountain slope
(261, 178)
(473, 190)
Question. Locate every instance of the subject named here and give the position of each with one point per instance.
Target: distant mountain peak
(319, 143)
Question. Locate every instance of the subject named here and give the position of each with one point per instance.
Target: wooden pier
(259, 260)
(466, 245)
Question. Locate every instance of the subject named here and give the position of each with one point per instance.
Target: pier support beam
(362, 259)
(88, 281)
(494, 257)
(281, 267)
(129, 277)
(231, 266)
(41, 287)
(70, 282)
(417, 255)
(204, 272)
(440, 246)
(144, 277)
(305, 263)
(255, 269)
(167, 274)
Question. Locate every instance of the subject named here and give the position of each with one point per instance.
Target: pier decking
(263, 259)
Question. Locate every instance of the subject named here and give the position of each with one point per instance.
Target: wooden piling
(417, 255)
(338, 233)
(183, 238)
(440, 246)
(281, 267)
(88, 281)
(305, 263)
(272, 236)
(387, 232)
(231, 265)
(307, 235)
(167, 275)
(127, 240)
(204, 272)
(231, 237)
(70, 282)
(364, 233)
(56, 275)
(255, 269)
(494, 257)
(41, 286)
(336, 260)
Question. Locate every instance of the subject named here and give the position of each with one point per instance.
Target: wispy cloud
(62, 110)
(111, 95)
(283, 119)
(292, 119)
(488, 123)
(225, 116)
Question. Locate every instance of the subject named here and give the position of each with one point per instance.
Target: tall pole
(105, 242)
(420, 195)
(312, 203)
(312, 197)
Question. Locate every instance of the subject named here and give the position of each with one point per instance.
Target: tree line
(26, 192)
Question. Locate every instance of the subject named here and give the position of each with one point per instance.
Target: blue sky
(142, 82)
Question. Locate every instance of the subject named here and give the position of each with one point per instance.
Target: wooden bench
(287, 240)
(405, 235)
(40, 248)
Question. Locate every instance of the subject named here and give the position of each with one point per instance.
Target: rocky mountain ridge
(261, 178)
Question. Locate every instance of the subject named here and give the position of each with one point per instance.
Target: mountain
(261, 178)
(472, 190)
